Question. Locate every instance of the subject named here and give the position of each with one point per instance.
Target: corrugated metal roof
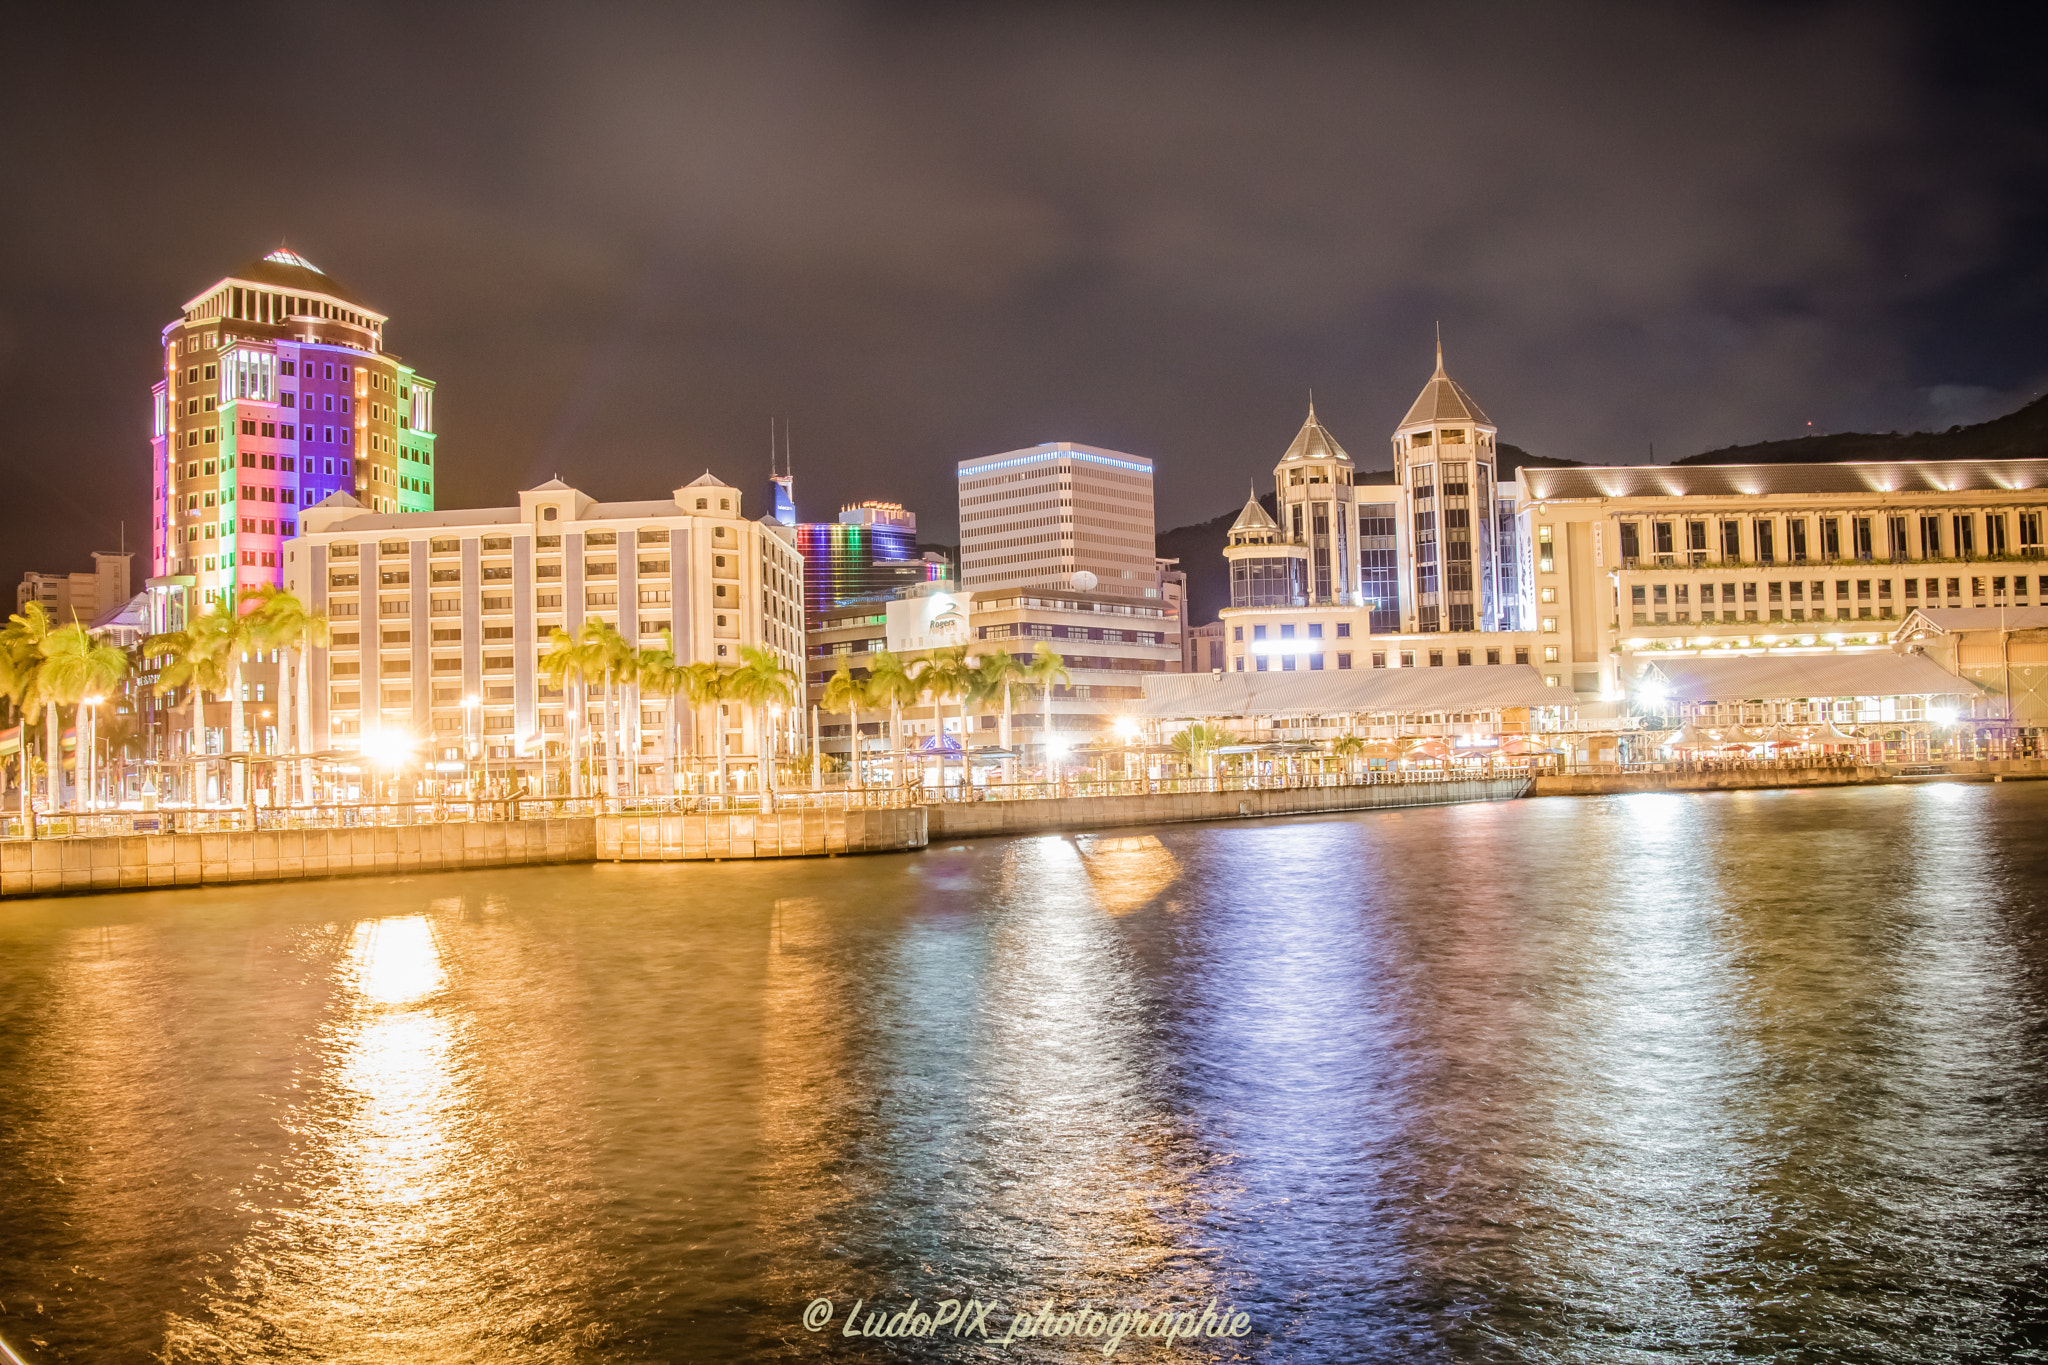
(1756, 480)
(1346, 692)
(1769, 676)
(1947, 619)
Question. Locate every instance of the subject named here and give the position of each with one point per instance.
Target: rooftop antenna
(1439, 348)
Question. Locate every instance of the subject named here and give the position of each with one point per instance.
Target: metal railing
(389, 814)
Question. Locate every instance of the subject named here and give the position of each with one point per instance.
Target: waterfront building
(440, 619)
(869, 553)
(1634, 565)
(277, 392)
(1424, 558)
(2000, 652)
(81, 596)
(1108, 643)
(1037, 517)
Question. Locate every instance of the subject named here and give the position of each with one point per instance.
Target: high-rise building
(277, 392)
(869, 553)
(1038, 517)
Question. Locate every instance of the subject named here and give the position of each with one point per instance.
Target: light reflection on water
(1657, 1076)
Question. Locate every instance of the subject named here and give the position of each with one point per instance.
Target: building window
(1549, 654)
(1343, 661)
(1550, 625)
(1407, 658)
(1521, 656)
(1343, 630)
(1731, 541)
(1964, 528)
(1436, 658)
(1379, 658)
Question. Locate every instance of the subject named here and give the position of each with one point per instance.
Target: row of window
(1659, 603)
(1952, 535)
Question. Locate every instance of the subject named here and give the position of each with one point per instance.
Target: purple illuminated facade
(276, 392)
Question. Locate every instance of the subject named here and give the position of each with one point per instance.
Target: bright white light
(1942, 715)
(1057, 744)
(387, 748)
(1652, 692)
(1128, 727)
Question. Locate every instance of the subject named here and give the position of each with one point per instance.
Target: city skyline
(909, 280)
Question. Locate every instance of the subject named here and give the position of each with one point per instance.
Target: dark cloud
(623, 238)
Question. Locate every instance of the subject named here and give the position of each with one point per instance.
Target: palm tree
(890, 685)
(1197, 742)
(997, 676)
(844, 692)
(659, 675)
(1348, 748)
(703, 684)
(282, 622)
(76, 667)
(608, 654)
(760, 681)
(1047, 670)
(198, 663)
(21, 665)
(565, 662)
(946, 675)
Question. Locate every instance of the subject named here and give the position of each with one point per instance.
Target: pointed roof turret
(1254, 518)
(1314, 442)
(1443, 399)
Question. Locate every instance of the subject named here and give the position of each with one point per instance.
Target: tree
(76, 667)
(566, 662)
(659, 675)
(890, 685)
(997, 676)
(946, 675)
(759, 682)
(1349, 748)
(282, 622)
(608, 654)
(703, 685)
(197, 657)
(1047, 670)
(844, 692)
(21, 665)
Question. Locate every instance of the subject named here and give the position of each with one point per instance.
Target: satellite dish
(1084, 581)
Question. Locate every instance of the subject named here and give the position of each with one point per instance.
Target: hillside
(2015, 436)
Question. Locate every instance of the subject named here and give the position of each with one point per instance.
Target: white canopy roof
(1943, 620)
(1346, 692)
(1770, 676)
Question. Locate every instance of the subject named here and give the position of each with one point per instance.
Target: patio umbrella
(1524, 748)
(1428, 748)
(1691, 736)
(1832, 735)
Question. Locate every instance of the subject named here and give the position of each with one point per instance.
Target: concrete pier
(801, 833)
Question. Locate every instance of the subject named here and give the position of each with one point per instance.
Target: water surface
(1655, 1077)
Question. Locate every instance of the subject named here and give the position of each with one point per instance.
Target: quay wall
(1765, 779)
(136, 862)
(983, 819)
(807, 832)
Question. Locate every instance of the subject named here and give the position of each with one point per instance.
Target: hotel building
(1036, 517)
(84, 596)
(277, 393)
(432, 609)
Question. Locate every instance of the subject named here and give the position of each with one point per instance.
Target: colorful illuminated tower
(277, 391)
(868, 553)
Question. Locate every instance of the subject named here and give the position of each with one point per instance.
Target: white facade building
(440, 618)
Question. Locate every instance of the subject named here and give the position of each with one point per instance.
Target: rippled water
(1639, 1078)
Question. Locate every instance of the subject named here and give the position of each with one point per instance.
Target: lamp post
(471, 712)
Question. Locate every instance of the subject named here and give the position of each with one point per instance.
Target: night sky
(624, 239)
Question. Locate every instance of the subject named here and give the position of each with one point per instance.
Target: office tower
(1037, 517)
(277, 391)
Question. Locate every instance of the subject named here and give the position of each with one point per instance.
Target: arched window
(547, 514)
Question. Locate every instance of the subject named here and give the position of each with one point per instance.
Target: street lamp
(471, 709)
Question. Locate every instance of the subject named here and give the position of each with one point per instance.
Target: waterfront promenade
(137, 851)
